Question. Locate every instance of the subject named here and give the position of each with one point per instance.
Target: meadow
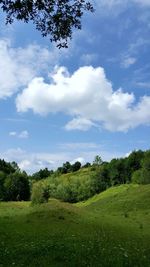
(111, 229)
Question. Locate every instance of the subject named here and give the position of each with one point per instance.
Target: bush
(17, 187)
(40, 193)
(141, 176)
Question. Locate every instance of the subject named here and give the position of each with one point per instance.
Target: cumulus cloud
(19, 65)
(88, 96)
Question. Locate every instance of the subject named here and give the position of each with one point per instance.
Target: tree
(40, 193)
(142, 176)
(42, 174)
(146, 161)
(117, 171)
(17, 187)
(2, 189)
(97, 160)
(76, 166)
(54, 18)
(134, 162)
(7, 167)
(87, 165)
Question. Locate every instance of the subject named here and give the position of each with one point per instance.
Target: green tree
(87, 165)
(117, 171)
(134, 163)
(7, 167)
(141, 176)
(41, 174)
(54, 18)
(97, 160)
(146, 161)
(2, 189)
(40, 193)
(17, 187)
(76, 166)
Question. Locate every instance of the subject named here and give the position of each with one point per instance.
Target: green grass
(111, 229)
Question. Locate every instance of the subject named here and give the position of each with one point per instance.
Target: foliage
(67, 167)
(41, 174)
(142, 176)
(52, 18)
(72, 185)
(40, 193)
(7, 167)
(117, 171)
(76, 166)
(134, 162)
(2, 189)
(71, 182)
(97, 160)
(88, 164)
(16, 187)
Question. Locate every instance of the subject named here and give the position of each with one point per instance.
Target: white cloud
(19, 65)
(119, 4)
(144, 3)
(12, 133)
(128, 61)
(23, 134)
(88, 59)
(80, 159)
(88, 96)
(32, 162)
(117, 7)
(77, 146)
(81, 124)
(143, 84)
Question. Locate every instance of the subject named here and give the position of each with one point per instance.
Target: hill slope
(109, 230)
(120, 198)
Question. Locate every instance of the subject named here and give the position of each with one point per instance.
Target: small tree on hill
(17, 187)
(40, 193)
(97, 160)
(76, 166)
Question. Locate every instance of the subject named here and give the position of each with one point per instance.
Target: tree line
(94, 178)
(73, 182)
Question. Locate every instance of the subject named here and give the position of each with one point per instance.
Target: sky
(93, 98)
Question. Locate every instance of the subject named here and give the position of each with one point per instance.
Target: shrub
(17, 187)
(141, 176)
(40, 193)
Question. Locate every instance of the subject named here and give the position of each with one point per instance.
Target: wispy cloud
(32, 162)
(128, 61)
(23, 134)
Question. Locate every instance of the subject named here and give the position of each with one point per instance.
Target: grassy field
(111, 229)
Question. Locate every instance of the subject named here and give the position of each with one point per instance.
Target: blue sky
(72, 104)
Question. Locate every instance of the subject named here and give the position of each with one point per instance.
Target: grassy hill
(111, 229)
